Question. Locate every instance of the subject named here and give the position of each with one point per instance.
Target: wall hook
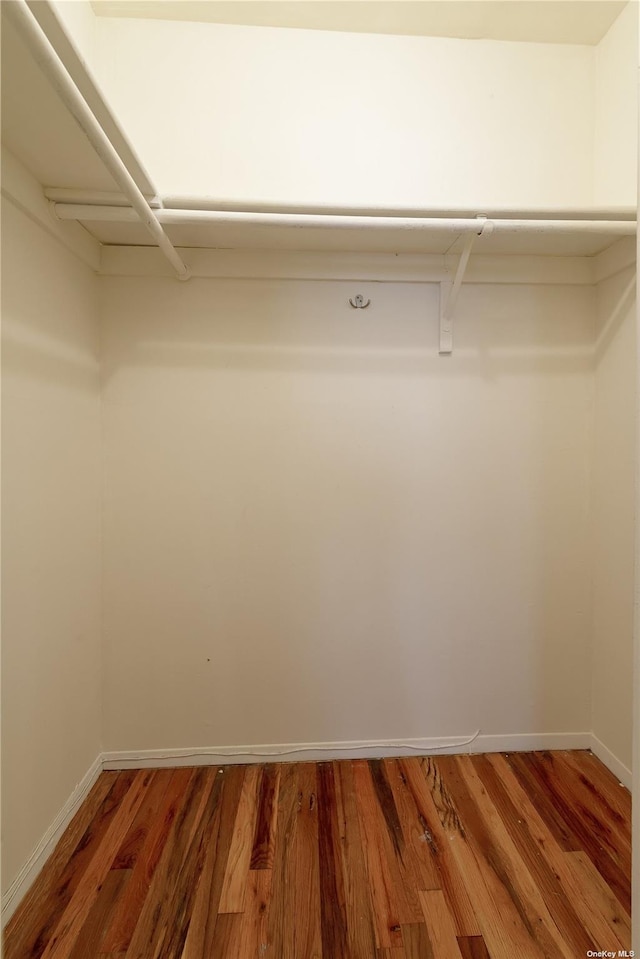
(358, 303)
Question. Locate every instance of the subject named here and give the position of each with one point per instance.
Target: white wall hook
(358, 302)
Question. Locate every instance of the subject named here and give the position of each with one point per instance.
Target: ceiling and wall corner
(556, 21)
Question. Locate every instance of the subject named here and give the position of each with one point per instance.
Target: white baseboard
(360, 749)
(20, 885)
(618, 768)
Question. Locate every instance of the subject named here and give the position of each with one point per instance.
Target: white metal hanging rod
(256, 205)
(53, 68)
(61, 194)
(120, 214)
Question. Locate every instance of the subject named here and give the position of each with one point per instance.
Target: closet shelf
(552, 233)
(50, 77)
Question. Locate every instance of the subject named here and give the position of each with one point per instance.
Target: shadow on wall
(317, 529)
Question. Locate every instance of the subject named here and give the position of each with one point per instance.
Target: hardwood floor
(518, 856)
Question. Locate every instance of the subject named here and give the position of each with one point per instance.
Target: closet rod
(53, 68)
(119, 214)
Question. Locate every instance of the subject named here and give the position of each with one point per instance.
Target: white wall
(319, 530)
(320, 117)
(613, 516)
(50, 532)
(616, 112)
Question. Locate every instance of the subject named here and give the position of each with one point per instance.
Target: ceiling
(537, 21)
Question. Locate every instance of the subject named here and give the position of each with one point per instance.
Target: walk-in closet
(319, 479)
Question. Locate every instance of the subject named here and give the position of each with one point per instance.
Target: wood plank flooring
(519, 856)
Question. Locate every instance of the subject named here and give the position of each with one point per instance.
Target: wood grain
(581, 898)
(31, 926)
(423, 780)
(264, 835)
(240, 849)
(467, 857)
(75, 915)
(204, 917)
(439, 924)
(125, 916)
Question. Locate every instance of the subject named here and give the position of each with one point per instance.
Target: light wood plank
(501, 853)
(361, 936)
(500, 916)
(378, 862)
(239, 862)
(589, 878)
(417, 851)
(579, 896)
(517, 823)
(422, 778)
(439, 923)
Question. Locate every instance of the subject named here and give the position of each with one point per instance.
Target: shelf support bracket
(449, 292)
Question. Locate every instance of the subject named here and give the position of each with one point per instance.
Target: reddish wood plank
(180, 904)
(332, 899)
(472, 947)
(361, 937)
(593, 772)
(493, 839)
(580, 897)
(30, 929)
(280, 930)
(305, 851)
(127, 912)
(379, 861)
(586, 826)
(541, 871)
(244, 935)
(561, 831)
(590, 801)
(386, 801)
(155, 918)
(137, 833)
(89, 942)
(417, 853)
(417, 943)
(201, 934)
(74, 916)
(265, 836)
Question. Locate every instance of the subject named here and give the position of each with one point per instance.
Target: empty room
(320, 479)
